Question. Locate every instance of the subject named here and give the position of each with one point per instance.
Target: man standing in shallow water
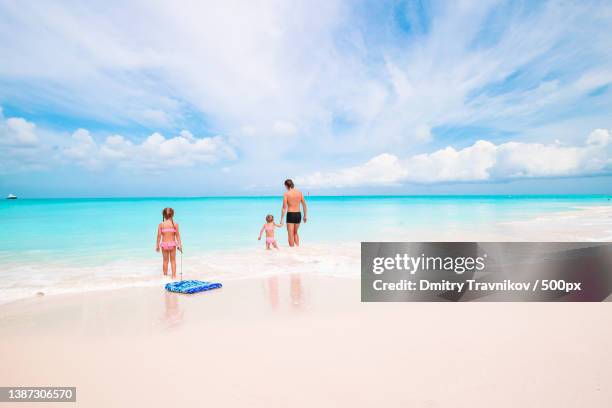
(291, 205)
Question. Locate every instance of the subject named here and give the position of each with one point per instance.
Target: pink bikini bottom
(168, 245)
(270, 240)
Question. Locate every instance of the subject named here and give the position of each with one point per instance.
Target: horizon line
(313, 196)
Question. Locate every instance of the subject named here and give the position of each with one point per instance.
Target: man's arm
(284, 209)
(305, 208)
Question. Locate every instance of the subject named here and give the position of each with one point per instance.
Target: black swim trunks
(294, 217)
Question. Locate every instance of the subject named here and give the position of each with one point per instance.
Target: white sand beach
(301, 338)
(444, 167)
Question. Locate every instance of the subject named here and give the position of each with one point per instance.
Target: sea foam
(25, 281)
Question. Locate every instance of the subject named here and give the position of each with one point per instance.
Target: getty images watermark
(486, 271)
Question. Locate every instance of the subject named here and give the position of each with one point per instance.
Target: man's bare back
(294, 198)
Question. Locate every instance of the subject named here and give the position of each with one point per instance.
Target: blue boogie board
(191, 286)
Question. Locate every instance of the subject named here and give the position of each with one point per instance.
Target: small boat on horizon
(11, 197)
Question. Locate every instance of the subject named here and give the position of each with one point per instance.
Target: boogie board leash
(181, 264)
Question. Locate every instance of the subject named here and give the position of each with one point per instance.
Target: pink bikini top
(268, 227)
(168, 230)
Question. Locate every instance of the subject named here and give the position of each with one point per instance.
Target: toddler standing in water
(169, 240)
(269, 228)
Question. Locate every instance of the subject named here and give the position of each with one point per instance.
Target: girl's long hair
(168, 214)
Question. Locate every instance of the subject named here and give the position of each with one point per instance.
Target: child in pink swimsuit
(169, 239)
(269, 228)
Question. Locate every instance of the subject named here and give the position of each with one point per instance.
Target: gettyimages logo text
(414, 264)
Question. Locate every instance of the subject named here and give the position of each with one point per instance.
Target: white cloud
(248, 130)
(156, 117)
(470, 163)
(306, 61)
(284, 128)
(23, 149)
(21, 146)
(155, 151)
(117, 147)
(423, 133)
(385, 169)
(483, 161)
(83, 149)
(17, 132)
(599, 137)
(23, 131)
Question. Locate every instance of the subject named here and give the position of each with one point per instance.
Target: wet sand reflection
(173, 314)
(296, 292)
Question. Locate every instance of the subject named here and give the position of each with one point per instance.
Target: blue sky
(393, 97)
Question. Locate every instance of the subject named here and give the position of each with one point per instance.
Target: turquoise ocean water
(49, 244)
(97, 230)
